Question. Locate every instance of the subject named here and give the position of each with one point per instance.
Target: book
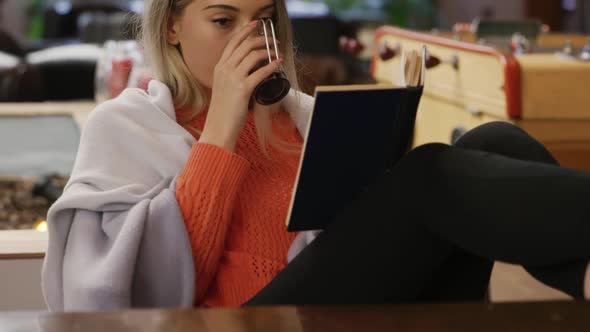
(356, 134)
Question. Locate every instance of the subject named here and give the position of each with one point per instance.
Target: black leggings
(431, 229)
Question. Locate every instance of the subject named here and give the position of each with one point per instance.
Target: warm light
(41, 226)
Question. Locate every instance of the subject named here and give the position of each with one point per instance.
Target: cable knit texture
(234, 206)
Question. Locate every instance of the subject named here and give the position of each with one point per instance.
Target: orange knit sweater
(234, 206)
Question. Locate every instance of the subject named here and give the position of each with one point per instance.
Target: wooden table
(540, 317)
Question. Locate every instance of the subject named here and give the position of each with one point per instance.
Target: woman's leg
(506, 140)
(370, 254)
(511, 141)
(437, 200)
(568, 273)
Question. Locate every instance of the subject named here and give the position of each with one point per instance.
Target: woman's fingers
(253, 61)
(261, 74)
(248, 46)
(236, 40)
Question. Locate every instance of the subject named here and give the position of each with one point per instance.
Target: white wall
(20, 285)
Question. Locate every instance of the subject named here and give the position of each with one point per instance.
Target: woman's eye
(222, 22)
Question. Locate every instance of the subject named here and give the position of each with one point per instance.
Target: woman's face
(205, 28)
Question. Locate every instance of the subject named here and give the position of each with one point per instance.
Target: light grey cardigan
(116, 237)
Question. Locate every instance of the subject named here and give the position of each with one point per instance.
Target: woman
(179, 196)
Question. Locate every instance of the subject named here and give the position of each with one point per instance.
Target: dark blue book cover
(356, 134)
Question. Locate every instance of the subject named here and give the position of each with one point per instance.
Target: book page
(413, 68)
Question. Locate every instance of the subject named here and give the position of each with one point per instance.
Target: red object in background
(143, 79)
(343, 43)
(432, 61)
(144, 82)
(387, 53)
(119, 76)
(350, 45)
(355, 47)
(462, 27)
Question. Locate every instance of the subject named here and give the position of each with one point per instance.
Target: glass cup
(103, 73)
(275, 87)
(114, 68)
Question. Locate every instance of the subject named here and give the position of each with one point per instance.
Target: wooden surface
(22, 244)
(567, 316)
(436, 119)
(78, 110)
(567, 140)
(557, 40)
(488, 80)
(44, 108)
(554, 87)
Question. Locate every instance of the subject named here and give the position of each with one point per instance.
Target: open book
(356, 134)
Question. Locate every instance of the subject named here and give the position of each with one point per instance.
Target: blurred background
(32, 32)
(33, 20)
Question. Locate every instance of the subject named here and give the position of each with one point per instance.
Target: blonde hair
(170, 68)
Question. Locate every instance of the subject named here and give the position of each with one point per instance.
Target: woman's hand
(236, 75)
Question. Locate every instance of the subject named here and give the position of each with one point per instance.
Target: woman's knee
(425, 153)
(497, 132)
(421, 162)
(506, 139)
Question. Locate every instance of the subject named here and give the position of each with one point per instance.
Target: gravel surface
(20, 208)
